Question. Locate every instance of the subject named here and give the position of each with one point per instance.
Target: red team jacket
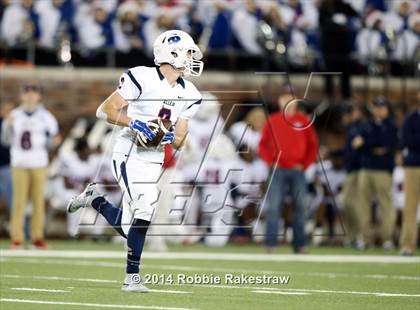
(295, 146)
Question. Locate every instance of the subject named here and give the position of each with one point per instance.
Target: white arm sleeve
(191, 110)
(100, 113)
(129, 88)
(52, 131)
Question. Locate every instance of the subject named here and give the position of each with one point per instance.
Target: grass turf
(316, 285)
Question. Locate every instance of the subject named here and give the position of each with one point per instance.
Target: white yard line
(13, 276)
(379, 294)
(82, 304)
(31, 289)
(169, 291)
(253, 288)
(219, 256)
(211, 269)
(280, 292)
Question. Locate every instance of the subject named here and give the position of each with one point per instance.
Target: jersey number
(25, 140)
(165, 113)
(212, 176)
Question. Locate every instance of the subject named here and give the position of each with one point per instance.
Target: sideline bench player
(148, 93)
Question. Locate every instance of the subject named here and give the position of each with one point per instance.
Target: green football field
(86, 275)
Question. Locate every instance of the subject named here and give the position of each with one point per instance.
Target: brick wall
(72, 93)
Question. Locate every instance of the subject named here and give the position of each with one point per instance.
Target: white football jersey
(31, 132)
(79, 172)
(241, 133)
(149, 96)
(333, 180)
(215, 179)
(248, 181)
(202, 132)
(398, 194)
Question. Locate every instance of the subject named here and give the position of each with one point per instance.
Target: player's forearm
(112, 116)
(118, 118)
(112, 111)
(179, 141)
(181, 130)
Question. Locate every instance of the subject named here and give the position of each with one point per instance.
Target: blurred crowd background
(346, 177)
(373, 36)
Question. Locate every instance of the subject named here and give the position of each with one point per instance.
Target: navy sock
(135, 243)
(110, 213)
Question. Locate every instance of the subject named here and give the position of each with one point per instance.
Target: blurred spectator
(248, 132)
(381, 5)
(163, 20)
(411, 143)
(288, 145)
(205, 126)
(20, 23)
(302, 43)
(350, 195)
(51, 14)
(245, 27)
(398, 192)
(215, 181)
(333, 181)
(377, 141)
(273, 17)
(396, 19)
(3, 5)
(94, 26)
(290, 11)
(221, 29)
(371, 41)
(5, 174)
(76, 169)
(30, 130)
(128, 27)
(193, 22)
(407, 45)
(248, 183)
(334, 19)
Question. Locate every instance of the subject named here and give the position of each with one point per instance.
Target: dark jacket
(378, 137)
(352, 156)
(335, 38)
(4, 151)
(411, 139)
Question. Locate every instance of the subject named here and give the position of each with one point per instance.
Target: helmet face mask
(178, 49)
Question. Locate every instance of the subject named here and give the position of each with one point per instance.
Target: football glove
(168, 138)
(142, 129)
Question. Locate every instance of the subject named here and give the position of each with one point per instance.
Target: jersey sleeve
(193, 104)
(129, 86)
(52, 128)
(64, 166)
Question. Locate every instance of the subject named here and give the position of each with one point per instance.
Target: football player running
(148, 93)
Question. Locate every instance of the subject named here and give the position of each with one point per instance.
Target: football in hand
(159, 126)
